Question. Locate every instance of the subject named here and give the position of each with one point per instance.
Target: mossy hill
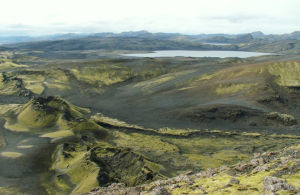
(266, 173)
(76, 116)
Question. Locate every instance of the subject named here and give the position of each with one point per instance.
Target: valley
(77, 116)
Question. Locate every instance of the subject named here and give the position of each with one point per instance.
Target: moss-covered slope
(49, 115)
(269, 172)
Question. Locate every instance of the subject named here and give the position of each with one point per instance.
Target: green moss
(287, 73)
(234, 88)
(228, 156)
(33, 81)
(62, 185)
(32, 118)
(150, 85)
(99, 117)
(35, 87)
(181, 190)
(42, 114)
(83, 173)
(8, 64)
(254, 180)
(32, 76)
(59, 134)
(85, 125)
(122, 165)
(213, 184)
(293, 179)
(142, 142)
(179, 132)
(101, 75)
(222, 157)
(8, 87)
(7, 109)
(80, 162)
(85, 177)
(59, 86)
(57, 75)
(55, 185)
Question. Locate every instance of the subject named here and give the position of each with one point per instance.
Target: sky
(44, 17)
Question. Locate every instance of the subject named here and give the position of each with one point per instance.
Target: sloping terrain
(269, 172)
(81, 124)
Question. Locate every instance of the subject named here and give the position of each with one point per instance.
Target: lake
(190, 53)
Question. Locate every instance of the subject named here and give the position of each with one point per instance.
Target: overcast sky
(40, 17)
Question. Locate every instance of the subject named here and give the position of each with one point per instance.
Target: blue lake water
(190, 53)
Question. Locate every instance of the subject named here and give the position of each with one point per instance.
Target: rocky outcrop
(275, 184)
(237, 115)
(122, 166)
(256, 176)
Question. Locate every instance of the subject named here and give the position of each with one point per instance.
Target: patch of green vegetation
(49, 115)
(6, 64)
(143, 142)
(293, 179)
(57, 75)
(5, 108)
(36, 88)
(123, 165)
(33, 82)
(100, 118)
(201, 150)
(89, 166)
(34, 118)
(58, 185)
(59, 134)
(211, 152)
(231, 73)
(149, 85)
(179, 132)
(9, 85)
(82, 172)
(222, 157)
(31, 76)
(59, 86)
(102, 75)
(37, 80)
(287, 73)
(254, 180)
(214, 184)
(234, 88)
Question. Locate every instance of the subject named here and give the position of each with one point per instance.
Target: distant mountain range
(20, 39)
(217, 38)
(66, 44)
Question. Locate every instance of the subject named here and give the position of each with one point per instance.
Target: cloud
(37, 17)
